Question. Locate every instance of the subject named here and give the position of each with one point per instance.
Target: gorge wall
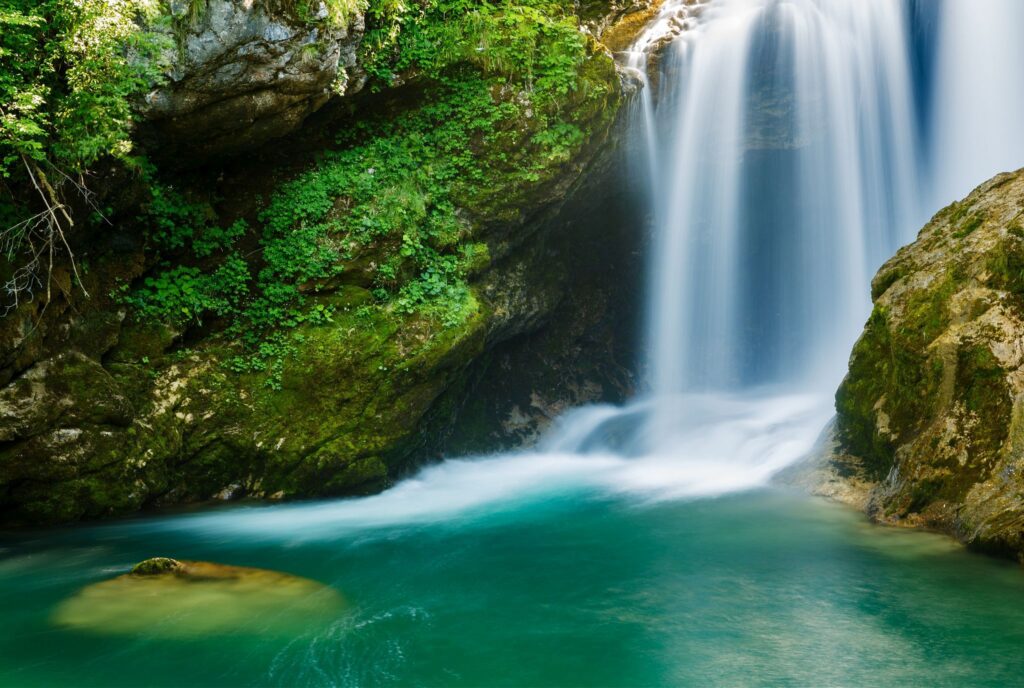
(306, 319)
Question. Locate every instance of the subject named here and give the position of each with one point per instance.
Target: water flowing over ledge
(783, 146)
(788, 147)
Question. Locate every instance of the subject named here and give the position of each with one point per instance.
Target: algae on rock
(931, 411)
(108, 407)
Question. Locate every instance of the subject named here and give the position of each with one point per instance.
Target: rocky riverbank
(307, 319)
(929, 425)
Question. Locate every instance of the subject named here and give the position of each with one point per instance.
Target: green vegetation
(533, 41)
(387, 208)
(503, 96)
(190, 13)
(968, 227)
(68, 69)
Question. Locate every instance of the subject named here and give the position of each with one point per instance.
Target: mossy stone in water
(929, 409)
(167, 598)
(156, 566)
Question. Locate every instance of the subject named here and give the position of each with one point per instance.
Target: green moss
(157, 566)
(884, 280)
(142, 342)
(982, 386)
(1005, 263)
(926, 312)
(891, 365)
(969, 226)
(871, 369)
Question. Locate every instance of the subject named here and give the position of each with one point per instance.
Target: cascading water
(781, 142)
(790, 177)
(977, 117)
(788, 147)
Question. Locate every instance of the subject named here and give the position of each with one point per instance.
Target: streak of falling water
(978, 113)
(790, 176)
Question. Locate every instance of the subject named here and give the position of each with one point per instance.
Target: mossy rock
(936, 379)
(146, 413)
(167, 598)
(157, 566)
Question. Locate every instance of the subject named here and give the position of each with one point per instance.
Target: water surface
(577, 589)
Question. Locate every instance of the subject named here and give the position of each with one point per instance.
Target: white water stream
(977, 119)
(782, 142)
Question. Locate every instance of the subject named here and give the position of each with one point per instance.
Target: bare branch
(38, 240)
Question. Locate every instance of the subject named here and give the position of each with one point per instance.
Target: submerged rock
(157, 566)
(931, 414)
(169, 598)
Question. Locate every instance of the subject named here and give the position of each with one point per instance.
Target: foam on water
(780, 144)
(726, 443)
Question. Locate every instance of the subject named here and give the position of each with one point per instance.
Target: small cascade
(674, 19)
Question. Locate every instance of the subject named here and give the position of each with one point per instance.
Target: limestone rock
(247, 71)
(932, 410)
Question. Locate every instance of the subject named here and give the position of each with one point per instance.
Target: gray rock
(248, 71)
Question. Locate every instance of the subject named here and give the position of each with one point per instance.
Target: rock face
(104, 413)
(931, 413)
(247, 71)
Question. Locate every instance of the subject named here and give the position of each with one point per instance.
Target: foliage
(68, 71)
(173, 222)
(187, 293)
(532, 41)
(391, 199)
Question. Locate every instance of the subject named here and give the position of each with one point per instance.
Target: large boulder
(246, 71)
(931, 414)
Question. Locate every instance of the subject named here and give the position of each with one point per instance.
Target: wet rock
(152, 416)
(157, 566)
(168, 598)
(932, 410)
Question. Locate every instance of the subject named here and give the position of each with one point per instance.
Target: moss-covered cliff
(307, 319)
(930, 415)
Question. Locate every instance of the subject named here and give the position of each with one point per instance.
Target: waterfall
(789, 147)
(978, 111)
(791, 175)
